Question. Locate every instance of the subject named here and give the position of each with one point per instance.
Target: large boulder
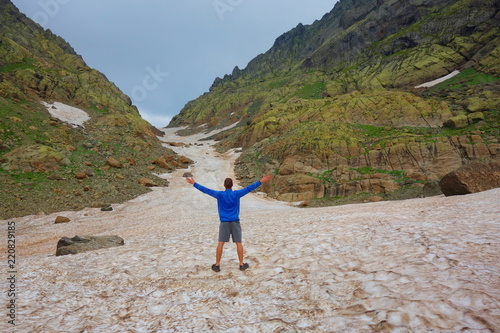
(472, 178)
(460, 121)
(80, 244)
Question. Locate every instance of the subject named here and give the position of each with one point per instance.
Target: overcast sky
(164, 53)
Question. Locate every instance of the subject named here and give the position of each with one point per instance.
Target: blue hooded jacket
(228, 201)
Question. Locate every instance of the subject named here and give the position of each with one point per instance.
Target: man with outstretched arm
(228, 204)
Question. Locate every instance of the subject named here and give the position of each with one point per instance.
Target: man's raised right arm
(202, 188)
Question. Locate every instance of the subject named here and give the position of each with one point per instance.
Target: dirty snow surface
(420, 265)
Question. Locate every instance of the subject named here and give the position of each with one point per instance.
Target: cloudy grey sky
(164, 53)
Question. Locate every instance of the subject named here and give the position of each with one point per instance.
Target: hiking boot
(244, 266)
(216, 268)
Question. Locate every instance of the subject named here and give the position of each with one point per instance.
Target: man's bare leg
(239, 249)
(218, 253)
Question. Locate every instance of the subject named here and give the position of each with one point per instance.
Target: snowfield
(420, 265)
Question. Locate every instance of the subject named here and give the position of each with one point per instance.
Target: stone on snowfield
(62, 219)
(80, 244)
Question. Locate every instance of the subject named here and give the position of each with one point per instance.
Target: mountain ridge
(350, 103)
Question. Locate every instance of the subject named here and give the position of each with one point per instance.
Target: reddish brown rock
(184, 161)
(162, 163)
(80, 175)
(113, 162)
(147, 182)
(62, 219)
(472, 178)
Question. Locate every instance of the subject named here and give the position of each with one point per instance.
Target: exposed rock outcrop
(34, 158)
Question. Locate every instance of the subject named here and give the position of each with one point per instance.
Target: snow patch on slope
(68, 114)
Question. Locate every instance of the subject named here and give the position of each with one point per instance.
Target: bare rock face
(472, 178)
(80, 244)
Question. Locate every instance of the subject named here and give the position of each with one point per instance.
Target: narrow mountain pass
(424, 265)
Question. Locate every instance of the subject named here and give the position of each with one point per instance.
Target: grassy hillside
(39, 154)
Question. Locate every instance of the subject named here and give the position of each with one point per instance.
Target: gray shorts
(232, 229)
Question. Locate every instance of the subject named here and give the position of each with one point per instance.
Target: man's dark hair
(228, 183)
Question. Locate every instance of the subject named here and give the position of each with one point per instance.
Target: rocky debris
(472, 178)
(187, 175)
(176, 144)
(171, 162)
(183, 161)
(113, 162)
(147, 182)
(62, 219)
(79, 244)
(162, 163)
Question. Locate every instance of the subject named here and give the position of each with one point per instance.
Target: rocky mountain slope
(48, 164)
(335, 109)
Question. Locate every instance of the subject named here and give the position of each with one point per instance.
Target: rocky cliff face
(47, 162)
(332, 109)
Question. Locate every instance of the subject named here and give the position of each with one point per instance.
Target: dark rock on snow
(80, 244)
(62, 219)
